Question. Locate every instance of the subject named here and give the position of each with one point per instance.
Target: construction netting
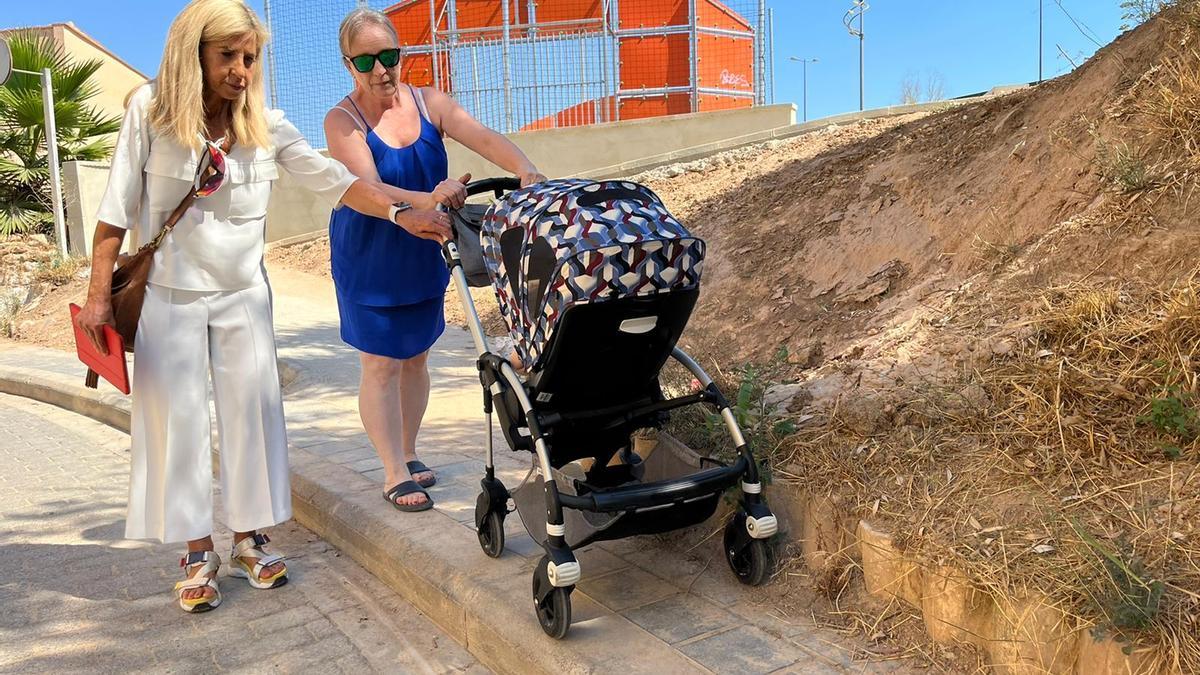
(535, 64)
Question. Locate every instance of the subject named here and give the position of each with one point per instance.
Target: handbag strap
(186, 202)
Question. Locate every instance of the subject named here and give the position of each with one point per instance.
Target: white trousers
(182, 336)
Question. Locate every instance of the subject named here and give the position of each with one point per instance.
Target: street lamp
(805, 63)
(1041, 4)
(856, 12)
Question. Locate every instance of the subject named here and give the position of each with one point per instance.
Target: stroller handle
(497, 186)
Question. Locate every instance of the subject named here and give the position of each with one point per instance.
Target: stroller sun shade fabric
(566, 242)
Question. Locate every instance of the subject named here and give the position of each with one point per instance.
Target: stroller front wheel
(554, 613)
(750, 561)
(552, 604)
(491, 535)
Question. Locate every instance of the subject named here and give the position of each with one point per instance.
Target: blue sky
(970, 44)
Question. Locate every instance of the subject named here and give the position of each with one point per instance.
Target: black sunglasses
(365, 63)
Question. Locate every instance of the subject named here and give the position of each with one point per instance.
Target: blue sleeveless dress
(390, 284)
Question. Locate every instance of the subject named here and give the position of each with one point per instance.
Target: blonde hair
(178, 105)
(359, 19)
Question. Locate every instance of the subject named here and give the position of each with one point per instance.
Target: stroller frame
(745, 536)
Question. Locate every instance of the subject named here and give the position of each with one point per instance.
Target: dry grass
(10, 304)
(58, 270)
(1168, 99)
(1056, 479)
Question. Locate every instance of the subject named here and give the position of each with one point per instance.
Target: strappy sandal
(208, 562)
(251, 547)
(408, 487)
(417, 466)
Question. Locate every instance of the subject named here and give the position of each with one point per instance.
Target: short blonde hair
(178, 105)
(359, 19)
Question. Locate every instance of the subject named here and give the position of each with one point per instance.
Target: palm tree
(84, 132)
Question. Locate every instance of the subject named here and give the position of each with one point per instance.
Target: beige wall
(115, 79)
(295, 212)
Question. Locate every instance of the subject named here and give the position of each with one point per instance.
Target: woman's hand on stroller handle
(497, 186)
(450, 193)
(531, 177)
(431, 224)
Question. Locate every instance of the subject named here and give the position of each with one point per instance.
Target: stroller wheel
(554, 613)
(751, 563)
(491, 534)
(552, 605)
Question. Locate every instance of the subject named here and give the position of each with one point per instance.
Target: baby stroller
(596, 281)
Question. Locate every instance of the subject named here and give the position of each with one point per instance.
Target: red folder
(111, 367)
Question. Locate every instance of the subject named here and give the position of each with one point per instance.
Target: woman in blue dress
(390, 283)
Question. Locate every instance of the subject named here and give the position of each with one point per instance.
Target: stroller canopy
(565, 242)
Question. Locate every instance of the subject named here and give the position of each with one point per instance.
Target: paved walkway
(77, 597)
(681, 608)
(688, 600)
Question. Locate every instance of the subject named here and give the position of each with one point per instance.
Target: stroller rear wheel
(750, 561)
(491, 534)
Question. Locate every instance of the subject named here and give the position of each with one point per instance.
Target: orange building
(663, 61)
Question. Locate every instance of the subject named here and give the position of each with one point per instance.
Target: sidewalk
(78, 597)
(641, 607)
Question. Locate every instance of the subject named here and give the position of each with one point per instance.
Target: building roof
(69, 25)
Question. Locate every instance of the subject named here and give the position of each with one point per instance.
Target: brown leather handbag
(131, 276)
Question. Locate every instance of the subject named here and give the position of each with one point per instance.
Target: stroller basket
(667, 495)
(467, 224)
(595, 282)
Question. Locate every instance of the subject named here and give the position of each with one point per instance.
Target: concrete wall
(574, 150)
(297, 213)
(557, 152)
(294, 211)
(83, 186)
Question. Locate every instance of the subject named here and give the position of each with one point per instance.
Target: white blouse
(218, 243)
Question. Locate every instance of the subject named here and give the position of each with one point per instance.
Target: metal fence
(533, 64)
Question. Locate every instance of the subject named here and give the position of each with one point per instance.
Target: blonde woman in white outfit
(208, 306)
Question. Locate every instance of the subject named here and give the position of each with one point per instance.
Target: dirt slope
(832, 245)
(992, 322)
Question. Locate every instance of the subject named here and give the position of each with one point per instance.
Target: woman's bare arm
(97, 310)
(458, 124)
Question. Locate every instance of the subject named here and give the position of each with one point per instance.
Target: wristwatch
(398, 208)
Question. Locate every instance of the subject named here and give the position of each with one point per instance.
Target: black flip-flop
(408, 487)
(415, 467)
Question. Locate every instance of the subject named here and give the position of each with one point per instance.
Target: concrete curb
(441, 571)
(429, 562)
(105, 407)
(297, 239)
